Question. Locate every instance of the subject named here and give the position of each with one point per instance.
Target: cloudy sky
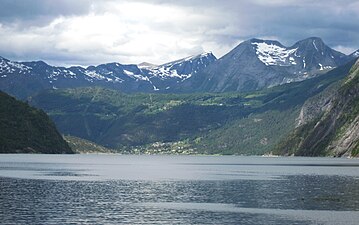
(84, 32)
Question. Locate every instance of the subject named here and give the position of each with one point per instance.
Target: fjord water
(119, 189)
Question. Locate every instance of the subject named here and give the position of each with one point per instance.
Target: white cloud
(159, 31)
(126, 32)
(345, 50)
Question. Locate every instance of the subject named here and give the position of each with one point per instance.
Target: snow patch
(315, 46)
(175, 69)
(94, 75)
(324, 67)
(135, 76)
(167, 71)
(129, 73)
(271, 54)
(292, 61)
(11, 67)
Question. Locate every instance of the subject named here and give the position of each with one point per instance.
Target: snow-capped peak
(205, 55)
(355, 54)
(271, 53)
(192, 57)
(183, 68)
(146, 65)
(11, 67)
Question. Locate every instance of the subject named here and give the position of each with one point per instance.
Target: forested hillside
(25, 129)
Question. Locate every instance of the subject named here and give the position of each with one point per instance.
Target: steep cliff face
(346, 140)
(315, 106)
(328, 123)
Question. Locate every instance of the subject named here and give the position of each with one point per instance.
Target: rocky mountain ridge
(256, 64)
(23, 79)
(252, 65)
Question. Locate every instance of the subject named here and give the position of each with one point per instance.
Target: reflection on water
(100, 189)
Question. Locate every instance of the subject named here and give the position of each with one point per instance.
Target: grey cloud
(220, 22)
(40, 12)
(288, 20)
(293, 23)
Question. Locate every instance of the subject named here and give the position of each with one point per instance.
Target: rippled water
(115, 189)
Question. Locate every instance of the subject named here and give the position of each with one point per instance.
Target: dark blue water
(113, 189)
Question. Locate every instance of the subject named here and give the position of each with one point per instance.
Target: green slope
(25, 129)
(221, 123)
(81, 146)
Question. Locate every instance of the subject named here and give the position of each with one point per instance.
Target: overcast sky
(88, 32)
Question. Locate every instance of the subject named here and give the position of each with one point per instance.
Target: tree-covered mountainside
(333, 124)
(25, 129)
(223, 123)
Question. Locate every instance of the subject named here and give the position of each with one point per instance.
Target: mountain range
(205, 123)
(23, 79)
(261, 97)
(252, 65)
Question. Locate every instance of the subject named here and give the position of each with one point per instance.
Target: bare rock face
(328, 123)
(316, 106)
(348, 139)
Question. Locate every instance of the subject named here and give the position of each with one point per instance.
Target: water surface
(115, 189)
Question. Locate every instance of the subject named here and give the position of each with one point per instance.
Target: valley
(202, 123)
(252, 101)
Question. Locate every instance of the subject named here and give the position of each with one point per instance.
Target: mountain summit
(256, 64)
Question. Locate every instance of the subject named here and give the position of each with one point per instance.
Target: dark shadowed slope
(25, 129)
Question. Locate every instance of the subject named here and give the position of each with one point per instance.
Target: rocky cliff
(329, 122)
